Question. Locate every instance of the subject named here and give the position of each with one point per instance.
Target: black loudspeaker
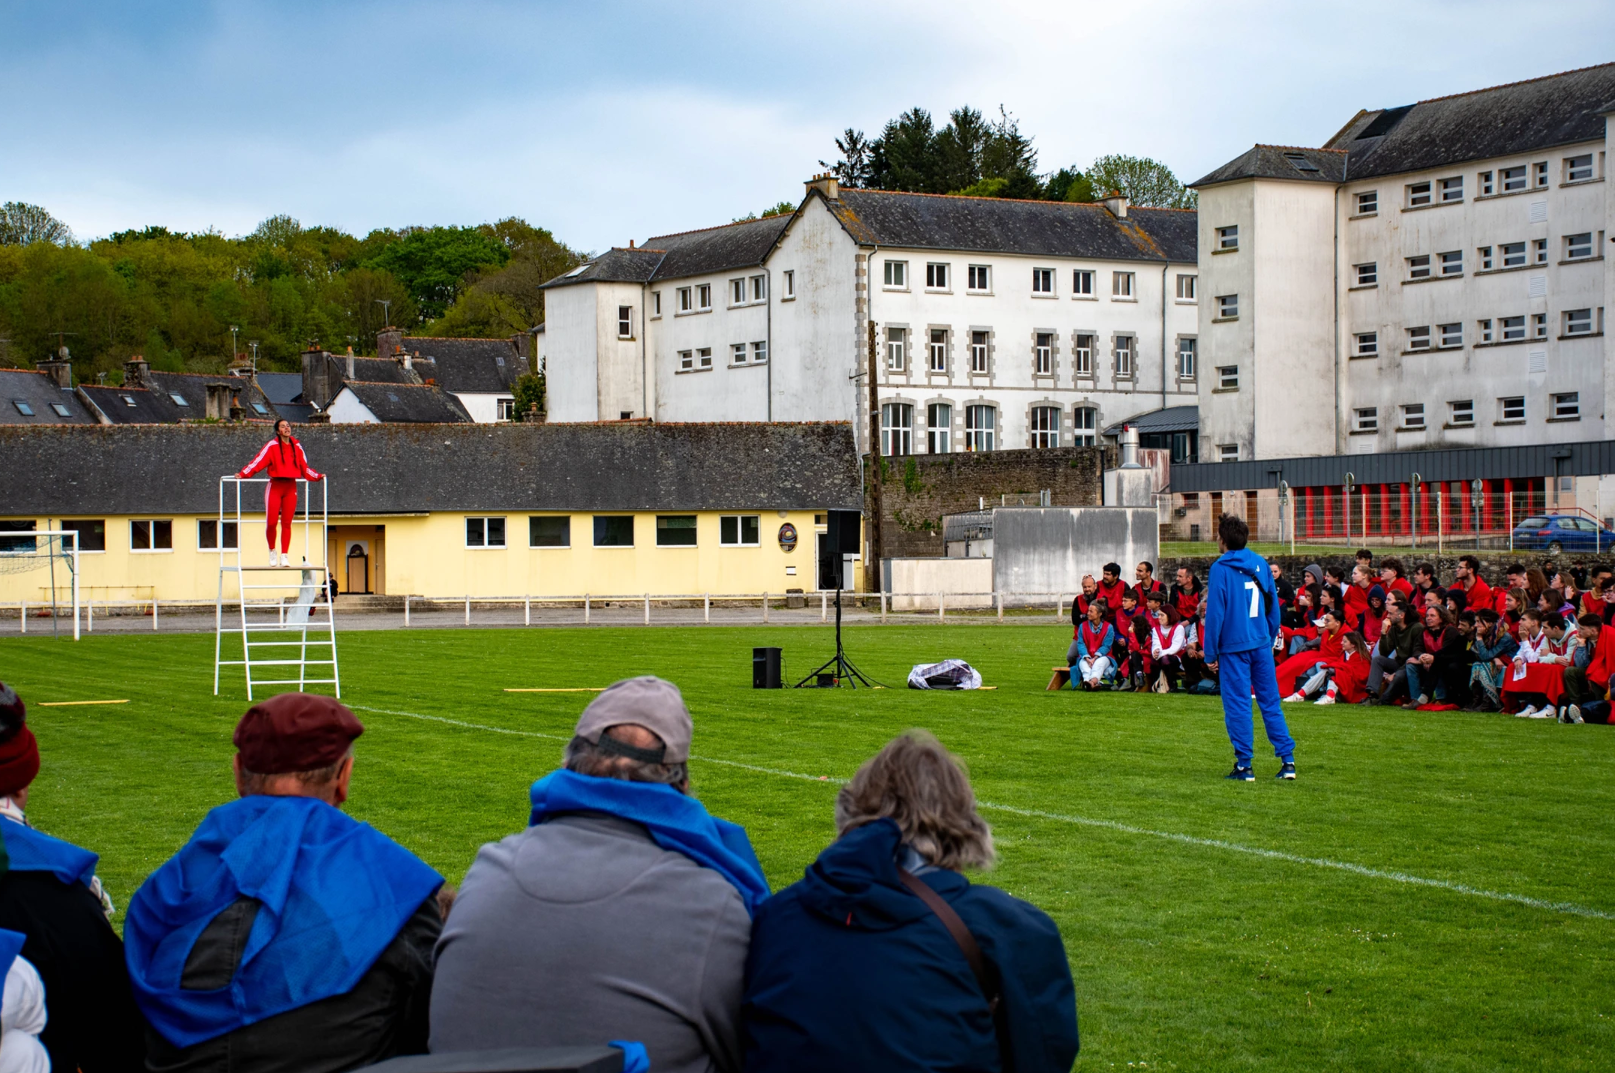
(844, 532)
(765, 668)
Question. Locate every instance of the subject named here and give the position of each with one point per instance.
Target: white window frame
(980, 353)
(1539, 325)
(504, 409)
(1461, 413)
(686, 360)
(1368, 203)
(1228, 238)
(1125, 354)
(625, 322)
(150, 526)
(981, 437)
(655, 303)
(1188, 283)
(1511, 408)
(737, 292)
(1450, 335)
(1228, 452)
(1419, 266)
(1365, 419)
(1483, 330)
(686, 300)
(1564, 406)
(1539, 247)
(895, 276)
(1042, 353)
(937, 276)
(1227, 378)
(1419, 337)
(1082, 356)
(484, 536)
(1483, 184)
(1513, 179)
(737, 353)
(737, 522)
(1420, 194)
(1539, 171)
(1043, 437)
(936, 351)
(896, 350)
(939, 435)
(1578, 321)
(1511, 329)
(1452, 262)
(1367, 274)
(1042, 283)
(1483, 258)
(1122, 286)
(979, 279)
(904, 433)
(1452, 189)
(759, 352)
(1579, 246)
(759, 288)
(1413, 415)
(230, 532)
(1227, 307)
(788, 280)
(1084, 426)
(1082, 283)
(703, 296)
(1188, 357)
(1512, 254)
(1581, 162)
(703, 357)
(1367, 344)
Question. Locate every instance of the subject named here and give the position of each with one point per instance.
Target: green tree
(528, 389)
(434, 264)
(1146, 182)
(21, 224)
(1068, 184)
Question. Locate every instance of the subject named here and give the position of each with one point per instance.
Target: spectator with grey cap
(623, 911)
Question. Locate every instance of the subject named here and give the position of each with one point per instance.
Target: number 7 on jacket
(1256, 598)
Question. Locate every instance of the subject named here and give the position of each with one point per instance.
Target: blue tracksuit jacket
(1237, 617)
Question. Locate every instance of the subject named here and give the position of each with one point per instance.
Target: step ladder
(286, 621)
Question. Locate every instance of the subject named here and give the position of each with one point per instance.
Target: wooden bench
(1061, 679)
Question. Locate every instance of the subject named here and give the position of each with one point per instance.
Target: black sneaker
(1286, 771)
(1242, 773)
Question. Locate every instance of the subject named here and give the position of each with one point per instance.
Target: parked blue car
(1558, 533)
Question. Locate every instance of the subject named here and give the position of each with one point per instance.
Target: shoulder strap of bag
(1267, 594)
(957, 928)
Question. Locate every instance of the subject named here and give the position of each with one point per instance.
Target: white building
(998, 323)
(1432, 276)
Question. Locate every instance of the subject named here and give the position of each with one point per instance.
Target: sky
(610, 121)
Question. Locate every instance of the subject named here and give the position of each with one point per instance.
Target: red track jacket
(284, 461)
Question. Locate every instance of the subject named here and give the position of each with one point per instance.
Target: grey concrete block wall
(1038, 550)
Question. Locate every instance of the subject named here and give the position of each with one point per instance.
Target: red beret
(19, 761)
(295, 732)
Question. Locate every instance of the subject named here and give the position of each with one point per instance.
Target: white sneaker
(1325, 699)
(1294, 698)
(280, 560)
(1527, 712)
(1573, 714)
(1544, 712)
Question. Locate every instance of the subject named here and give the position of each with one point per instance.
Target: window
(549, 531)
(1451, 335)
(704, 357)
(1186, 287)
(151, 535)
(1566, 406)
(1082, 355)
(1366, 419)
(1452, 189)
(1484, 329)
(895, 340)
(896, 428)
(1228, 452)
(23, 407)
(484, 532)
(1452, 264)
(1084, 426)
(1227, 306)
(1045, 426)
(759, 288)
(1368, 274)
(1539, 325)
(504, 410)
(759, 352)
(207, 535)
(179, 400)
(1419, 338)
(1539, 248)
(675, 530)
(1483, 183)
(980, 425)
(1578, 321)
(738, 353)
(1461, 412)
(1418, 195)
(1483, 256)
(1419, 267)
(1043, 354)
(686, 360)
(897, 274)
(1513, 328)
(1413, 415)
(1578, 246)
(92, 533)
(737, 292)
(1082, 283)
(1124, 357)
(1512, 407)
(1043, 281)
(938, 428)
(625, 322)
(655, 303)
(788, 278)
(257, 407)
(1188, 354)
(1121, 285)
(740, 530)
(936, 277)
(1228, 237)
(1578, 168)
(1367, 344)
(613, 530)
(1227, 378)
(1299, 162)
(1513, 254)
(1513, 179)
(1368, 203)
(703, 295)
(1539, 171)
(978, 352)
(979, 278)
(686, 302)
(937, 352)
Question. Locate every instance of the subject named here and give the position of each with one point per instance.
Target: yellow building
(610, 509)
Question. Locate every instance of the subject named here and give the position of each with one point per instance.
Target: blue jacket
(1238, 618)
(1107, 641)
(848, 970)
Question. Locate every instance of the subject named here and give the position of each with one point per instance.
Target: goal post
(23, 551)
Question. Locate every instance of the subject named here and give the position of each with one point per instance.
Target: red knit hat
(19, 752)
(295, 732)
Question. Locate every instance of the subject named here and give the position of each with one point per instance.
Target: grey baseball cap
(651, 702)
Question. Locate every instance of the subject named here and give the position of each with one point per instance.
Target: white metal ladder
(285, 611)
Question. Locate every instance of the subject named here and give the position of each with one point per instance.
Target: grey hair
(253, 782)
(925, 790)
(587, 758)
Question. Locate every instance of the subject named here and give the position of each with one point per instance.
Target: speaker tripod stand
(843, 671)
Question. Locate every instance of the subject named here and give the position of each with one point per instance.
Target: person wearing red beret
(49, 892)
(285, 935)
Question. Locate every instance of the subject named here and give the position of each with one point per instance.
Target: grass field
(1436, 892)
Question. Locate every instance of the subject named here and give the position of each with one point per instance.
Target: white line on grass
(1211, 843)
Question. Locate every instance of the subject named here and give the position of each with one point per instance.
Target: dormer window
(1300, 162)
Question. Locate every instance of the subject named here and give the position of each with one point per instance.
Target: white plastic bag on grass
(949, 674)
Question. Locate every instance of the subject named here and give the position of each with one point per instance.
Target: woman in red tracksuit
(284, 459)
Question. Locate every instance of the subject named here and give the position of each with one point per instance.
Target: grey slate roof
(407, 402)
(376, 371)
(297, 413)
(135, 405)
(1281, 162)
(40, 394)
(1169, 419)
(486, 366)
(378, 469)
(281, 387)
(192, 387)
(717, 249)
(1002, 225)
(616, 265)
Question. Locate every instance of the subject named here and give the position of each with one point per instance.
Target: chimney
(409, 362)
(134, 372)
(1130, 448)
(630, 243)
(826, 184)
(350, 363)
(319, 417)
(59, 370)
(388, 341)
(218, 402)
(1116, 202)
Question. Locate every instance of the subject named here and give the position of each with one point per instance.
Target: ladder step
(290, 662)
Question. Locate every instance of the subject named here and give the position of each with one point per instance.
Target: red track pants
(280, 501)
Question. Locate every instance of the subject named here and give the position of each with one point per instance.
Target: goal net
(53, 552)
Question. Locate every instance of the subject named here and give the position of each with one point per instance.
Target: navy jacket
(1242, 610)
(848, 970)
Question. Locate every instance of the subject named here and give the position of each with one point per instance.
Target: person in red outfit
(1391, 578)
(1355, 598)
(1477, 594)
(1145, 573)
(1295, 669)
(284, 459)
(1111, 585)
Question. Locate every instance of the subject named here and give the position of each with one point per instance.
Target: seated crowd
(285, 935)
(1533, 647)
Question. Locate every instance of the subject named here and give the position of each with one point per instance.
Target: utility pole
(235, 351)
(877, 546)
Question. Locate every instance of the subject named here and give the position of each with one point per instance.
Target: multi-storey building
(996, 323)
(1432, 276)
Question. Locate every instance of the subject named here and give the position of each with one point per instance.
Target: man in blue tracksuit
(1242, 618)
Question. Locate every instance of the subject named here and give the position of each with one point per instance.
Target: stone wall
(920, 489)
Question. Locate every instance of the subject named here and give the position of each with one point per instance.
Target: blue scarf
(10, 946)
(334, 894)
(676, 822)
(23, 849)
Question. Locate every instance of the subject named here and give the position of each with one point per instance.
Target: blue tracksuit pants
(1237, 672)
